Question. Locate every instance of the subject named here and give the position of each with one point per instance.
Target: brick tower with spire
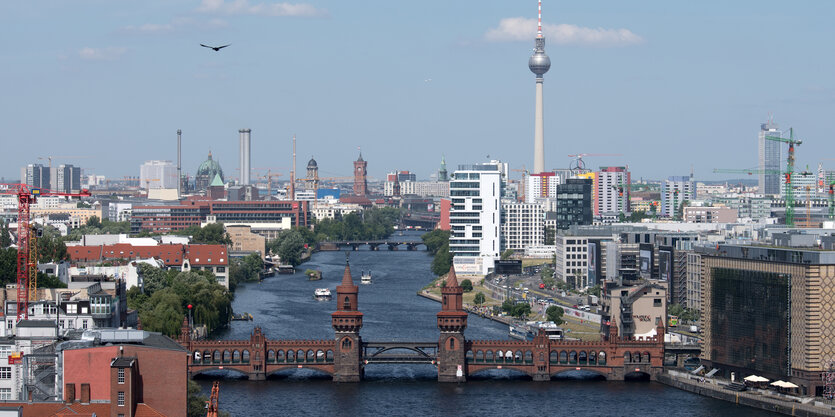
(347, 322)
(452, 320)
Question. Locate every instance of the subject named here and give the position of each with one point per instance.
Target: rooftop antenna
(539, 22)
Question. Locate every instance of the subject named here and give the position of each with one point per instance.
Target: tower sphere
(539, 63)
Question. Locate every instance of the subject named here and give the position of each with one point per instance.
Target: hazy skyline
(666, 85)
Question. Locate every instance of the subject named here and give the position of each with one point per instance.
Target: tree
(550, 235)
(596, 290)
(211, 234)
(5, 237)
(93, 221)
(435, 240)
(442, 261)
(507, 254)
(49, 281)
(467, 285)
(51, 247)
(290, 248)
(196, 401)
(153, 278)
(546, 273)
(555, 313)
(8, 265)
(244, 269)
(479, 298)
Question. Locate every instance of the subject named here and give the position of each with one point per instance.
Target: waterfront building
(637, 307)
(475, 217)
(522, 226)
(769, 161)
(244, 241)
(674, 191)
(158, 174)
(165, 219)
(574, 203)
(768, 310)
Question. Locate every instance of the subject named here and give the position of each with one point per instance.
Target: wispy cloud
(233, 7)
(514, 29)
(178, 24)
(101, 54)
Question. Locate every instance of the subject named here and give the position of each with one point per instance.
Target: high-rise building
(767, 310)
(541, 186)
(158, 174)
(574, 202)
(769, 159)
(360, 177)
(539, 64)
(68, 179)
(674, 192)
(613, 185)
(36, 176)
(245, 155)
(475, 216)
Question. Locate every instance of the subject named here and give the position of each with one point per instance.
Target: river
(285, 309)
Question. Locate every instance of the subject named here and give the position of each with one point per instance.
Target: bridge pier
(257, 376)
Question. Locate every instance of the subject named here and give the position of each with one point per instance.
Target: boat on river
(366, 277)
(520, 332)
(322, 294)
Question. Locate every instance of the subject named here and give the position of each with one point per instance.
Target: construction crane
(269, 177)
(577, 165)
(211, 405)
(27, 258)
(789, 190)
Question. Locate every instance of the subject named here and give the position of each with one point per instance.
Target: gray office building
(769, 159)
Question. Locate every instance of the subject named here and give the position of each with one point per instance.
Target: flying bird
(215, 48)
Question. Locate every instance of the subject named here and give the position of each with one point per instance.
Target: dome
(209, 168)
(312, 163)
(539, 63)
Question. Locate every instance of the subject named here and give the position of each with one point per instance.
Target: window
(656, 302)
(84, 324)
(121, 398)
(5, 351)
(5, 393)
(5, 372)
(10, 324)
(72, 308)
(121, 375)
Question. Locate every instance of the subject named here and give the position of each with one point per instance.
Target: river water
(285, 309)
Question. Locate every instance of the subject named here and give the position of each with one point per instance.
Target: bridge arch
(481, 372)
(584, 373)
(237, 372)
(278, 370)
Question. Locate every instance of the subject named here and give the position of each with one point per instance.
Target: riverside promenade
(760, 399)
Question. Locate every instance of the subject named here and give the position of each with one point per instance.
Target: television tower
(539, 64)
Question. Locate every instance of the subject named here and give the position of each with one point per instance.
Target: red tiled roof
(145, 410)
(172, 255)
(61, 409)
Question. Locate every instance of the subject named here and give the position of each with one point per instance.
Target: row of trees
(377, 223)
(168, 293)
(244, 269)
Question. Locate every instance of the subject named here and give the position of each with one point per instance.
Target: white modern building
(523, 226)
(418, 188)
(572, 259)
(674, 192)
(475, 216)
(541, 186)
(158, 174)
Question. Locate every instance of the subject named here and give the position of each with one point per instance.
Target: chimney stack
(245, 155)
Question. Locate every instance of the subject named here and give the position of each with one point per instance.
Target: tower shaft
(539, 131)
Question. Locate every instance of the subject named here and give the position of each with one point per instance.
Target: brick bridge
(345, 357)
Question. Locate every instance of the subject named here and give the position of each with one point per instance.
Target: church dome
(312, 163)
(209, 168)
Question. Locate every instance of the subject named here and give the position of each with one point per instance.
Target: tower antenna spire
(539, 22)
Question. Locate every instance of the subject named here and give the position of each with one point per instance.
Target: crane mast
(789, 189)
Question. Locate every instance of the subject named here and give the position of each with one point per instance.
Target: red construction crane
(27, 261)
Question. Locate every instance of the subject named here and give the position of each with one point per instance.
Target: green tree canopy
(479, 298)
(555, 314)
(211, 234)
(467, 285)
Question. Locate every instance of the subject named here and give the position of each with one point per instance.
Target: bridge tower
(452, 320)
(347, 322)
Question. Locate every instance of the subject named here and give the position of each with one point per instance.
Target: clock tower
(360, 181)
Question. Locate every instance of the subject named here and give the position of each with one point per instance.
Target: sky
(668, 85)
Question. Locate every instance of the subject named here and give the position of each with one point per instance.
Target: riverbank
(478, 312)
(713, 388)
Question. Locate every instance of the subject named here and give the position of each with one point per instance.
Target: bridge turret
(452, 321)
(185, 334)
(347, 322)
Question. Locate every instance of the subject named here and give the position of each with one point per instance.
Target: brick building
(164, 219)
